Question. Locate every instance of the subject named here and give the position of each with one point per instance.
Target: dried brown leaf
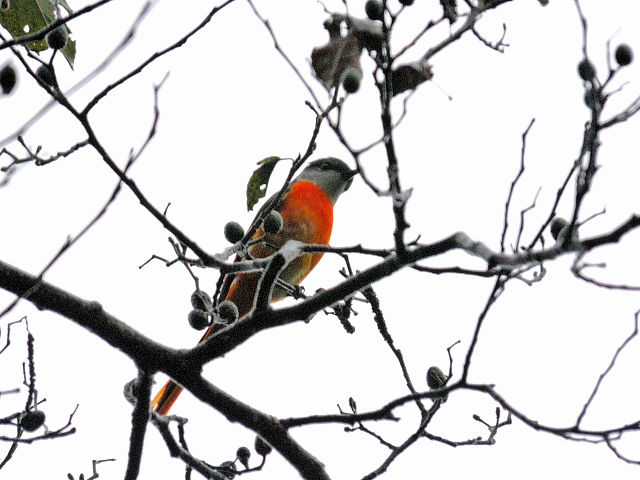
(330, 60)
(343, 50)
(409, 76)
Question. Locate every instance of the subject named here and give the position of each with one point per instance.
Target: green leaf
(257, 185)
(29, 16)
(69, 51)
(65, 5)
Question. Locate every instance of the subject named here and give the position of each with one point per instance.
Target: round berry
(262, 447)
(624, 55)
(351, 78)
(46, 75)
(32, 420)
(228, 469)
(586, 70)
(7, 79)
(273, 222)
(57, 38)
(593, 98)
(228, 311)
(200, 300)
(198, 319)
(374, 10)
(243, 454)
(436, 378)
(233, 232)
(557, 225)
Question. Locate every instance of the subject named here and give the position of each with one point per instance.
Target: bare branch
(372, 298)
(139, 420)
(154, 57)
(514, 182)
(583, 412)
(68, 244)
(34, 157)
(286, 58)
(180, 451)
(54, 101)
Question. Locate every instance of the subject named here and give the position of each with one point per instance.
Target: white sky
(229, 101)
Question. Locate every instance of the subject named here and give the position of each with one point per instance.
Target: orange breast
(308, 217)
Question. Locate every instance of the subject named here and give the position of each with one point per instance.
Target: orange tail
(242, 292)
(166, 397)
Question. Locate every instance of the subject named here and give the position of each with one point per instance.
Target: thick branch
(151, 357)
(89, 315)
(228, 338)
(139, 420)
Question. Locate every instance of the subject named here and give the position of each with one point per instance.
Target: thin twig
(514, 182)
(583, 412)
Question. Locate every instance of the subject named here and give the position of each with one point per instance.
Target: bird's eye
(324, 166)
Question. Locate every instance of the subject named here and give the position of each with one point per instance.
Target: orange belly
(308, 217)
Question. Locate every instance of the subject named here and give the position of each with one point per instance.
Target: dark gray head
(331, 174)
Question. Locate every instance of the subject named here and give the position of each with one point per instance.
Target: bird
(307, 213)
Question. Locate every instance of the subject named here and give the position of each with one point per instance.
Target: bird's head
(331, 174)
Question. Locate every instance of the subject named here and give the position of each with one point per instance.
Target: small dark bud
(233, 232)
(32, 420)
(7, 79)
(243, 454)
(586, 70)
(228, 311)
(557, 225)
(593, 98)
(57, 38)
(130, 391)
(228, 469)
(46, 75)
(374, 10)
(624, 55)
(200, 300)
(198, 319)
(436, 378)
(262, 447)
(406, 3)
(351, 78)
(449, 10)
(273, 222)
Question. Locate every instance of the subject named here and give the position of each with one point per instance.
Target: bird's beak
(348, 178)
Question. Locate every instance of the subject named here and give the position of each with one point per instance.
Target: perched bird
(307, 213)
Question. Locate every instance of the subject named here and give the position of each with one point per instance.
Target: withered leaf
(343, 50)
(449, 10)
(409, 76)
(329, 61)
(369, 32)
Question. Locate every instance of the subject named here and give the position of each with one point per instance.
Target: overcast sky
(229, 101)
